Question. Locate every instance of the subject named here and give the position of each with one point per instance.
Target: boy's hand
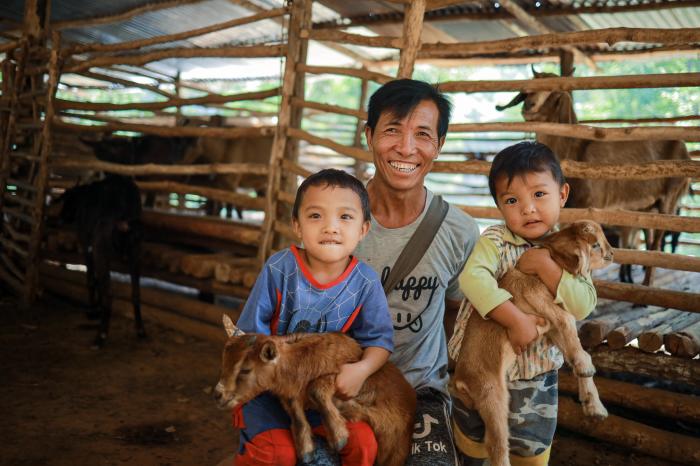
(533, 260)
(524, 331)
(349, 380)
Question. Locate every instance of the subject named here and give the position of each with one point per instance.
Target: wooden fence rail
(154, 169)
(179, 131)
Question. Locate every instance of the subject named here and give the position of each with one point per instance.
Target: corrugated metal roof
(448, 28)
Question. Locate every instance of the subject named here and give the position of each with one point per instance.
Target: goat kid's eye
(596, 246)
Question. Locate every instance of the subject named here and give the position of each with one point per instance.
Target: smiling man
(406, 128)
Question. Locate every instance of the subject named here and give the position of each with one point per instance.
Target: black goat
(107, 217)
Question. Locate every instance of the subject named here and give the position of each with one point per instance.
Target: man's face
(404, 149)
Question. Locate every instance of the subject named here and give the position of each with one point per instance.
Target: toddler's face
(531, 203)
(330, 223)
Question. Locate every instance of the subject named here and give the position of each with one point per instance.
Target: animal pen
(42, 155)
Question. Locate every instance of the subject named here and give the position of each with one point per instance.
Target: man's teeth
(403, 167)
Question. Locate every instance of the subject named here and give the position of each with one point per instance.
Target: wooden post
(652, 339)
(412, 27)
(566, 63)
(32, 278)
(627, 332)
(301, 9)
(594, 331)
(684, 343)
(357, 142)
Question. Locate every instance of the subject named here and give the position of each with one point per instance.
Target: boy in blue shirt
(318, 288)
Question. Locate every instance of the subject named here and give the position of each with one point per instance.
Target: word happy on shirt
(412, 288)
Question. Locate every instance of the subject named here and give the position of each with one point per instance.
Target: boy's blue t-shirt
(287, 299)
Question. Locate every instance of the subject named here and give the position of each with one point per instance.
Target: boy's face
(330, 223)
(531, 203)
(404, 149)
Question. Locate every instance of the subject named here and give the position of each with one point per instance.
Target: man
(406, 128)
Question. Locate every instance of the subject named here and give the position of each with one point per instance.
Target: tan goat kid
(486, 355)
(656, 195)
(300, 370)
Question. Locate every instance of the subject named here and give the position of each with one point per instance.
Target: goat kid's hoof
(340, 443)
(594, 409)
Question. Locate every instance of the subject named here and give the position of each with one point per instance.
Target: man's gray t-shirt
(417, 303)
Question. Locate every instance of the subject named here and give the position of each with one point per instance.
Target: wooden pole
(639, 294)
(354, 72)
(209, 227)
(154, 169)
(658, 366)
(301, 9)
(651, 340)
(360, 166)
(628, 331)
(594, 331)
(662, 403)
(412, 27)
(220, 195)
(684, 343)
(667, 446)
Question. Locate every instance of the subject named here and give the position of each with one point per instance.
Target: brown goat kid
(486, 355)
(656, 195)
(300, 370)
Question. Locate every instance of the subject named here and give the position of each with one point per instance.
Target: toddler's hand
(525, 332)
(533, 260)
(349, 381)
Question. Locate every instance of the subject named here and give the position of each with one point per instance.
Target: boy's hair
(401, 96)
(330, 177)
(521, 158)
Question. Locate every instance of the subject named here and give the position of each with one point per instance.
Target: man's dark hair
(521, 158)
(401, 96)
(330, 177)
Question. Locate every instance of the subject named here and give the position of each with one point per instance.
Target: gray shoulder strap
(419, 242)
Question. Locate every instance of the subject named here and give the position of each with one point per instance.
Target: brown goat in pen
(656, 195)
(486, 354)
(300, 370)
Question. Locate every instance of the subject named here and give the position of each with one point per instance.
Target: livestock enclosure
(90, 89)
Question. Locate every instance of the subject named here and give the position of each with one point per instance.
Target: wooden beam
(667, 446)
(123, 82)
(299, 102)
(354, 152)
(355, 39)
(354, 72)
(203, 226)
(220, 195)
(640, 294)
(647, 81)
(686, 133)
(153, 169)
(610, 36)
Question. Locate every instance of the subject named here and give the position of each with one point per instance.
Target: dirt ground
(133, 402)
(136, 402)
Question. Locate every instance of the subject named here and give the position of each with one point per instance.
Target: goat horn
(534, 71)
(516, 100)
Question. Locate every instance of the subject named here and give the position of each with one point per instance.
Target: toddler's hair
(521, 158)
(333, 178)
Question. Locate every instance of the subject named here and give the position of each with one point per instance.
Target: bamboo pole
(662, 403)
(651, 340)
(250, 51)
(412, 28)
(79, 165)
(610, 36)
(668, 446)
(124, 82)
(341, 37)
(646, 81)
(361, 73)
(579, 131)
(172, 102)
(138, 44)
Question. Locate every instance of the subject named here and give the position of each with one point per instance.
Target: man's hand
(349, 380)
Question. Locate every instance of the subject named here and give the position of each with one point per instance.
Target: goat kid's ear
(583, 253)
(268, 353)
